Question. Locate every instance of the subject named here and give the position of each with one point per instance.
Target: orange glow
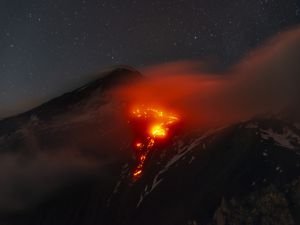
(139, 145)
(153, 124)
(158, 130)
(181, 86)
(137, 173)
(158, 119)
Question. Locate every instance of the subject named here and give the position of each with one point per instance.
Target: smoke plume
(266, 80)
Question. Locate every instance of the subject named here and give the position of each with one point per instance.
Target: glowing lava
(158, 130)
(151, 125)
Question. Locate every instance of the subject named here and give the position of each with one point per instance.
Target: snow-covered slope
(195, 179)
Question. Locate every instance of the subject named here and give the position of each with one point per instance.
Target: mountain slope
(61, 149)
(70, 161)
(205, 179)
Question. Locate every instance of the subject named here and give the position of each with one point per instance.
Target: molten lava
(158, 130)
(152, 125)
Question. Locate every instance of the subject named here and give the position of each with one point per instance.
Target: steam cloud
(27, 180)
(267, 80)
(42, 158)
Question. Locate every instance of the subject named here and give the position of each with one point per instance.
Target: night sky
(51, 46)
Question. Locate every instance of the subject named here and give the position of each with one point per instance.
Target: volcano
(80, 158)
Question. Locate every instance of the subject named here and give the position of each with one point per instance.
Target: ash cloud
(267, 80)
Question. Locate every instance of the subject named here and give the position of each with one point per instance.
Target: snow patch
(148, 190)
(182, 151)
(116, 189)
(286, 139)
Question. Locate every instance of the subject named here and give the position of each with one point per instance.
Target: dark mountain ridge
(244, 173)
(61, 104)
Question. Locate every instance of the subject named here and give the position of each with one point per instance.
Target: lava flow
(152, 125)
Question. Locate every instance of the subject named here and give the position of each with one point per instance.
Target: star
(62, 42)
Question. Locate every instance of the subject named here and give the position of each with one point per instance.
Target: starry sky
(49, 47)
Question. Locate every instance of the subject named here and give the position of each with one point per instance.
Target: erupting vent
(152, 125)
